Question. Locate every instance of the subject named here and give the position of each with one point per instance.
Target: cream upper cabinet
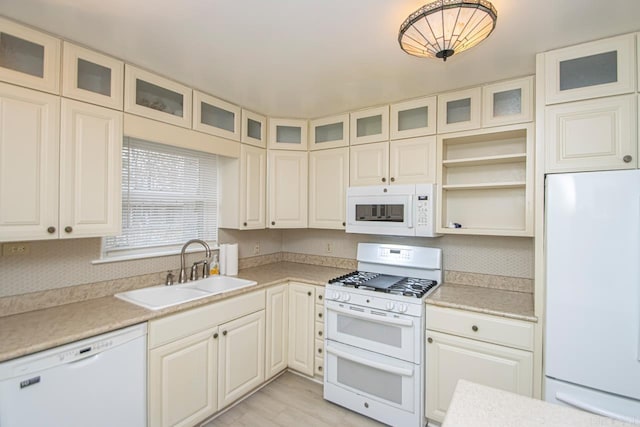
(287, 189)
(29, 143)
(155, 97)
(329, 132)
(90, 170)
(601, 68)
(406, 161)
(241, 357)
(301, 327)
(486, 181)
(370, 125)
(29, 58)
(328, 182)
(413, 118)
(182, 380)
(412, 161)
(489, 350)
(92, 77)
(215, 116)
(288, 134)
(243, 189)
(507, 102)
(460, 110)
(277, 330)
(254, 129)
(598, 134)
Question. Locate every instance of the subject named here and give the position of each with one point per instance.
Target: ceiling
(307, 58)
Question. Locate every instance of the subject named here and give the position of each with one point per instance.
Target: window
(169, 195)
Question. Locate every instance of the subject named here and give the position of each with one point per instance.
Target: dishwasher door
(99, 381)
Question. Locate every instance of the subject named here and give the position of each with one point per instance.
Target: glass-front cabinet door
(370, 125)
(29, 58)
(288, 134)
(507, 102)
(155, 97)
(329, 132)
(254, 129)
(215, 116)
(416, 117)
(459, 110)
(591, 70)
(92, 77)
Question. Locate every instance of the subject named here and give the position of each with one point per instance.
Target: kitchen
(496, 249)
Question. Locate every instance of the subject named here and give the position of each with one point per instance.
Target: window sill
(135, 255)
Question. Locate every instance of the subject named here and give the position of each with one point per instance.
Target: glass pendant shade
(445, 27)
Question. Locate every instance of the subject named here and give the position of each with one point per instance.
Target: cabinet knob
(68, 229)
(319, 333)
(244, 223)
(393, 179)
(474, 328)
(319, 351)
(429, 340)
(273, 223)
(384, 179)
(627, 159)
(224, 333)
(320, 297)
(320, 368)
(215, 335)
(344, 224)
(320, 315)
(51, 230)
(309, 293)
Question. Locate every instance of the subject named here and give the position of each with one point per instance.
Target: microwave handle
(410, 209)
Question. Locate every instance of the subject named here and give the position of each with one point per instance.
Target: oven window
(380, 213)
(370, 331)
(374, 382)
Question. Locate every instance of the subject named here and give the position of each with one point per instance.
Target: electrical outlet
(329, 247)
(13, 249)
(256, 248)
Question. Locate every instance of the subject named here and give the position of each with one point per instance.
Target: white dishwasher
(98, 381)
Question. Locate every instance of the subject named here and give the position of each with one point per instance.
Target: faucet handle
(169, 279)
(205, 269)
(194, 271)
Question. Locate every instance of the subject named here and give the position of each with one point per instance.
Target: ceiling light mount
(445, 27)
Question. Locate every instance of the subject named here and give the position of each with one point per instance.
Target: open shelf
(490, 185)
(486, 160)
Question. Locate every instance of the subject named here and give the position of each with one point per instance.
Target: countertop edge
(508, 315)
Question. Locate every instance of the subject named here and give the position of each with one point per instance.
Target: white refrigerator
(592, 329)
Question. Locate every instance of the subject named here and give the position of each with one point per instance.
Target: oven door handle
(372, 317)
(370, 363)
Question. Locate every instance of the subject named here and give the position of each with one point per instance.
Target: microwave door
(390, 215)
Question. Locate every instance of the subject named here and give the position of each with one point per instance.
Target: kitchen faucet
(183, 274)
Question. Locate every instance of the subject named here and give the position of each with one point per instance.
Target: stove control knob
(390, 306)
(346, 297)
(335, 295)
(402, 308)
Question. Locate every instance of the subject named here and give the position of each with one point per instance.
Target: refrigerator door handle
(571, 401)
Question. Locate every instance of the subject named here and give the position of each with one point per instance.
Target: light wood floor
(293, 401)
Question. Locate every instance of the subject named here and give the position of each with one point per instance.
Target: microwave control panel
(425, 210)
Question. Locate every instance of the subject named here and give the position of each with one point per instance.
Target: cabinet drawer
(498, 330)
(319, 332)
(318, 368)
(189, 322)
(319, 348)
(319, 313)
(320, 295)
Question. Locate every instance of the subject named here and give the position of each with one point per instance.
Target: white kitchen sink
(159, 297)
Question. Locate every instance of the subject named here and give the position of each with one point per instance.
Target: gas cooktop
(396, 285)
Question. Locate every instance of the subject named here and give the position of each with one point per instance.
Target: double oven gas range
(374, 332)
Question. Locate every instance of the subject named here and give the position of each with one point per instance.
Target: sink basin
(159, 297)
(218, 284)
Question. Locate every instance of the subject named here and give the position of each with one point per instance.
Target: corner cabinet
(328, 182)
(486, 181)
(287, 183)
(288, 134)
(485, 349)
(301, 327)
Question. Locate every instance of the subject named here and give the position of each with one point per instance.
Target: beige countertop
(515, 305)
(38, 330)
(481, 406)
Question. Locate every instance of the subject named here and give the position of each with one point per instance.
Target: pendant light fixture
(445, 27)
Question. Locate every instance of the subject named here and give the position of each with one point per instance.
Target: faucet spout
(183, 274)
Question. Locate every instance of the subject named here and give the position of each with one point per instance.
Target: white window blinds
(169, 195)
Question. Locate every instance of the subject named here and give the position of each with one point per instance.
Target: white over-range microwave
(397, 210)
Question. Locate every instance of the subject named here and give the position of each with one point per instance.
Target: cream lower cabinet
(328, 182)
(301, 327)
(241, 357)
(277, 330)
(287, 184)
(466, 347)
(406, 161)
(182, 380)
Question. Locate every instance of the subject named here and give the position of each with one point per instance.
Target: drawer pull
(319, 333)
(319, 297)
(319, 351)
(429, 340)
(320, 315)
(474, 328)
